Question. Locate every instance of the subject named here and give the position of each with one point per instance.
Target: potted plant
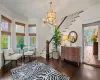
(94, 38)
(21, 44)
(56, 42)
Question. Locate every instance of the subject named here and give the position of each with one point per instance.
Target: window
(20, 40)
(19, 29)
(4, 42)
(33, 40)
(32, 29)
(4, 25)
(32, 34)
(20, 33)
(5, 32)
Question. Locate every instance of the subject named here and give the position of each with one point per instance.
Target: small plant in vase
(21, 44)
(56, 42)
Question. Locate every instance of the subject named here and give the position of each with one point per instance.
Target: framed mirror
(72, 36)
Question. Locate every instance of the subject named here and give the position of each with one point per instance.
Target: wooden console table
(70, 53)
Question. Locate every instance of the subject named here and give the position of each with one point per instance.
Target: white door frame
(87, 25)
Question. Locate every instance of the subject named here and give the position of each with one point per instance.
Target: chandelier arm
(51, 5)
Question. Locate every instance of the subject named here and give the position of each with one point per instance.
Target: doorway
(91, 44)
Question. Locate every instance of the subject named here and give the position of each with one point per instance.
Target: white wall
(89, 15)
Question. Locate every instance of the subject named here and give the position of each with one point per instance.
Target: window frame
(31, 40)
(4, 32)
(22, 25)
(31, 34)
(18, 33)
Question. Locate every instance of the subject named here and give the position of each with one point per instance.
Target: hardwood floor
(84, 72)
(89, 58)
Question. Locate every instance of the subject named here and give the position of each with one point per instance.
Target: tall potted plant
(56, 42)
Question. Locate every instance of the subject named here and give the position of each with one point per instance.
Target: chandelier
(50, 16)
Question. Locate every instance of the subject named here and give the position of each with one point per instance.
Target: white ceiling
(38, 8)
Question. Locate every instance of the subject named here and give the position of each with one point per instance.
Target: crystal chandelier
(50, 16)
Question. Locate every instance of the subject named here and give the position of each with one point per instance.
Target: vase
(56, 55)
(21, 48)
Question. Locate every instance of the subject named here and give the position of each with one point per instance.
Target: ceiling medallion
(50, 16)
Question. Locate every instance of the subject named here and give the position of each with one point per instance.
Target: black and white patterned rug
(36, 71)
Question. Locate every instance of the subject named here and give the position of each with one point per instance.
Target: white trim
(99, 42)
(89, 25)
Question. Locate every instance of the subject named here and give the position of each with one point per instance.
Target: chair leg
(24, 59)
(11, 64)
(34, 56)
(21, 59)
(4, 62)
(29, 58)
(16, 62)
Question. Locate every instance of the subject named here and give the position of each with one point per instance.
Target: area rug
(36, 71)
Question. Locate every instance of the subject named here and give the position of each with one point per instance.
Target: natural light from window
(32, 34)
(19, 29)
(32, 29)
(5, 34)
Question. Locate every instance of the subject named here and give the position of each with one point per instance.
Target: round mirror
(72, 36)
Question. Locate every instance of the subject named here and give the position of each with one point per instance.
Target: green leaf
(57, 38)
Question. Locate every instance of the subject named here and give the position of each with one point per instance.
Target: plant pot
(50, 55)
(21, 48)
(56, 55)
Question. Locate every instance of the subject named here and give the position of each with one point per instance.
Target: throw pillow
(11, 54)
